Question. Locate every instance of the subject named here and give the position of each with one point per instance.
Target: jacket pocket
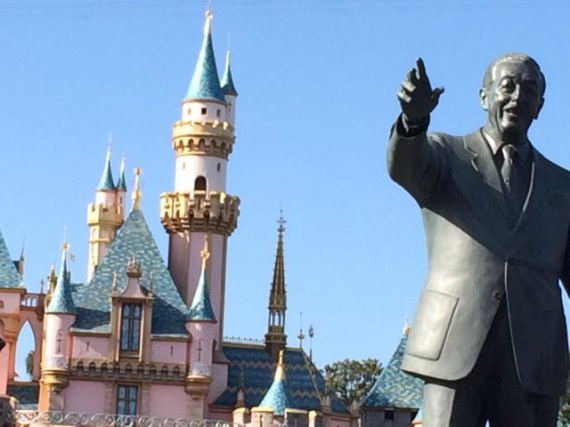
(431, 324)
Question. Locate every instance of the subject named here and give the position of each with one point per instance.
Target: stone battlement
(212, 213)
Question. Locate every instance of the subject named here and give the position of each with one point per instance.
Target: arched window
(200, 184)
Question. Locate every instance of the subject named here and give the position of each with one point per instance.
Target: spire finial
(137, 195)
(205, 252)
(406, 329)
(281, 222)
(65, 245)
(209, 15)
(280, 371)
(301, 335)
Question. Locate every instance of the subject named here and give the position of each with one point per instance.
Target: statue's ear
(483, 98)
(539, 108)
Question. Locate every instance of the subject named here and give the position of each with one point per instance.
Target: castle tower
(59, 317)
(275, 338)
(105, 215)
(199, 205)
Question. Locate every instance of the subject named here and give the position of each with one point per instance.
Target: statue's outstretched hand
(417, 99)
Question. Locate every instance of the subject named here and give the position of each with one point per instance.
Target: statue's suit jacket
(479, 254)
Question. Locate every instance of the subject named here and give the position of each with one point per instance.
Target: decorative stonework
(139, 372)
(26, 418)
(216, 213)
(213, 139)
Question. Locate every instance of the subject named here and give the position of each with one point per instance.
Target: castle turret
(275, 338)
(199, 205)
(60, 315)
(200, 323)
(104, 216)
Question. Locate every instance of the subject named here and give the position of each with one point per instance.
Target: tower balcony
(209, 213)
(214, 139)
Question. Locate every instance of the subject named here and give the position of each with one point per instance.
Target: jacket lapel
(482, 161)
(541, 179)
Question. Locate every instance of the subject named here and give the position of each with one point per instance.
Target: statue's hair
(520, 58)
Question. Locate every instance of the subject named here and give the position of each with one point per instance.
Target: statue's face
(512, 100)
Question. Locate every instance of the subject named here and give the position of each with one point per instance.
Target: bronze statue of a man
(489, 334)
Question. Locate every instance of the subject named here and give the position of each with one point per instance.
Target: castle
(142, 340)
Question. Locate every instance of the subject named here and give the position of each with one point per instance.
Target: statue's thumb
(436, 93)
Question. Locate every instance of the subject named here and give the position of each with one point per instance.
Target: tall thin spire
(122, 183)
(205, 83)
(228, 87)
(137, 195)
(107, 183)
(275, 339)
(201, 308)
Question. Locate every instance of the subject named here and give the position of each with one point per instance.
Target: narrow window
(218, 113)
(204, 111)
(189, 111)
(388, 415)
(127, 399)
(219, 167)
(200, 184)
(130, 327)
(59, 341)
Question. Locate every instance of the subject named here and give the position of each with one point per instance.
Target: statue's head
(512, 94)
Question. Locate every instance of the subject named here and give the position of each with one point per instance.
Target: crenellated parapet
(213, 213)
(105, 215)
(213, 139)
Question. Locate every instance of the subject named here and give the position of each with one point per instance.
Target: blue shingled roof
(26, 393)
(228, 87)
(277, 397)
(201, 308)
(205, 83)
(9, 276)
(62, 300)
(107, 182)
(134, 239)
(251, 368)
(394, 388)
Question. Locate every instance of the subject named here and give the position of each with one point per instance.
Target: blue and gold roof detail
(201, 308)
(62, 299)
(9, 276)
(205, 83)
(394, 388)
(133, 241)
(106, 183)
(277, 397)
(251, 369)
(228, 87)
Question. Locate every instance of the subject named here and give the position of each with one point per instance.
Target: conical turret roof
(228, 87)
(107, 183)
(205, 83)
(278, 397)
(201, 308)
(9, 276)
(62, 298)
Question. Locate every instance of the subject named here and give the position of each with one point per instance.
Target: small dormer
(131, 315)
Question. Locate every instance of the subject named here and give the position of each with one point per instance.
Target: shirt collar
(523, 149)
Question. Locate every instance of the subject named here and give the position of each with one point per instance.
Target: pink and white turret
(106, 215)
(199, 205)
(60, 315)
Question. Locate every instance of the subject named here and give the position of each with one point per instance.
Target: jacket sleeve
(417, 161)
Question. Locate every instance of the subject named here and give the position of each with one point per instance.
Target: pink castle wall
(168, 352)
(90, 347)
(85, 396)
(168, 401)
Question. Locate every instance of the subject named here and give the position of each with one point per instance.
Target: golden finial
(137, 195)
(280, 371)
(205, 253)
(65, 245)
(406, 330)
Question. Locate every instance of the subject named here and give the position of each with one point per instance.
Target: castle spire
(122, 183)
(275, 339)
(137, 195)
(278, 397)
(201, 308)
(107, 183)
(205, 83)
(62, 300)
(228, 87)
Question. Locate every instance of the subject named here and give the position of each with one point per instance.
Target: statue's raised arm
(417, 99)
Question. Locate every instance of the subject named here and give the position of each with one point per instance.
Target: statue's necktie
(508, 169)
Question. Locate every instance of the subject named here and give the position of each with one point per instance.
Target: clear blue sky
(317, 82)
